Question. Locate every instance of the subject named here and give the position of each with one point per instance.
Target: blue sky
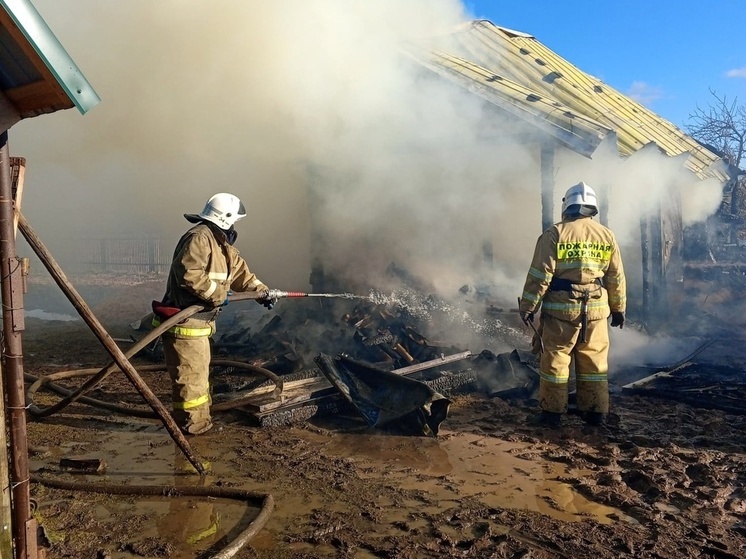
(667, 54)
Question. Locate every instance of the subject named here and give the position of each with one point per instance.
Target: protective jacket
(205, 267)
(575, 256)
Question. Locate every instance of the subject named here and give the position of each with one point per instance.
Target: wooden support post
(11, 285)
(645, 261)
(547, 185)
(18, 174)
(603, 204)
(6, 536)
(658, 312)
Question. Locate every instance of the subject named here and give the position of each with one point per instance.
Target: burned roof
(520, 75)
(37, 76)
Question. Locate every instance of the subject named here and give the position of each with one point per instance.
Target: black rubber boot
(550, 419)
(594, 418)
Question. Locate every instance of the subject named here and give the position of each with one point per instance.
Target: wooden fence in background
(125, 255)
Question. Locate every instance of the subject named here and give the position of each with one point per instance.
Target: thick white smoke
(309, 113)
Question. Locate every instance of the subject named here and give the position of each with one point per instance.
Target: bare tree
(721, 125)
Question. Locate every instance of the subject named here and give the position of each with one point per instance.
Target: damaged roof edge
(576, 131)
(52, 53)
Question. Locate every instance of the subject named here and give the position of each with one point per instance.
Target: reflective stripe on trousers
(188, 363)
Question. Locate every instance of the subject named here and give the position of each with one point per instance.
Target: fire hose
(121, 362)
(272, 294)
(98, 375)
(266, 500)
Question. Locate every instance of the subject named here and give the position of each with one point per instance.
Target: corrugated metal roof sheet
(571, 128)
(514, 61)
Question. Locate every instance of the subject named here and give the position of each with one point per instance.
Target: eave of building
(37, 75)
(519, 58)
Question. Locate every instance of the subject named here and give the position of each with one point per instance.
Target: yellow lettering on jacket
(582, 250)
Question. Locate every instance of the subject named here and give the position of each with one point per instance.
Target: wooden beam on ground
(317, 389)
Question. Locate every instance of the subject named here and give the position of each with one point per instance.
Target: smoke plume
(342, 149)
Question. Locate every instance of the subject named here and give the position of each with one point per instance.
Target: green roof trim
(52, 53)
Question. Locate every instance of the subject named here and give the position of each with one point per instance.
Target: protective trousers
(187, 351)
(562, 346)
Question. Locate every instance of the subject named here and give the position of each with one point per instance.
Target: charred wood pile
(309, 342)
(721, 239)
(707, 386)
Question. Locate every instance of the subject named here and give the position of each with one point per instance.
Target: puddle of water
(468, 465)
(665, 507)
(191, 524)
(44, 315)
(437, 471)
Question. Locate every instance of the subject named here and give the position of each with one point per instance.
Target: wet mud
(663, 479)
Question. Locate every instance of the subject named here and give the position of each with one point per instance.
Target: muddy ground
(663, 480)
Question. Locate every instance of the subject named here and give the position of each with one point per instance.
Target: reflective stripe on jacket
(580, 251)
(205, 267)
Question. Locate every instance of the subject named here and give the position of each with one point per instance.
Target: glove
(266, 301)
(527, 316)
(225, 303)
(617, 319)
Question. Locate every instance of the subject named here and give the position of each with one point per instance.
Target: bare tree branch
(721, 125)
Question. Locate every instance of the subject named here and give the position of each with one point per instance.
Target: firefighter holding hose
(577, 280)
(205, 268)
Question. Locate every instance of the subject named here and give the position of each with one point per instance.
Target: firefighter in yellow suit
(205, 268)
(577, 279)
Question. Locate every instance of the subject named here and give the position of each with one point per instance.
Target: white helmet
(583, 196)
(222, 209)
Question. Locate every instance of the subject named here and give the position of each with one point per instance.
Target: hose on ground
(233, 547)
(98, 376)
(101, 374)
(48, 381)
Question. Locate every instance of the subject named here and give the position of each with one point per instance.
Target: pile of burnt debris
(397, 358)
(701, 385)
(389, 359)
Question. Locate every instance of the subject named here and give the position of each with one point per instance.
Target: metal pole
(103, 336)
(23, 523)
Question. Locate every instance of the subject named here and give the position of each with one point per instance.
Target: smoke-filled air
(342, 149)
